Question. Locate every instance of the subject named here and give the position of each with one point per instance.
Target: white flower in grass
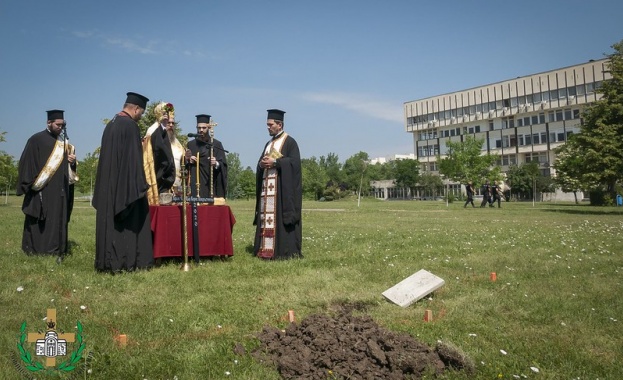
(503, 352)
(219, 326)
(235, 361)
(472, 334)
(52, 300)
(227, 373)
(534, 369)
(563, 324)
(20, 288)
(83, 308)
(170, 320)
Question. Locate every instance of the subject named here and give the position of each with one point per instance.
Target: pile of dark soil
(351, 347)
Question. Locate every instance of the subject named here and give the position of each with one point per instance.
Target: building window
(490, 125)
(568, 114)
(551, 116)
(535, 119)
(535, 138)
(542, 118)
(581, 90)
(576, 113)
(477, 129)
(559, 115)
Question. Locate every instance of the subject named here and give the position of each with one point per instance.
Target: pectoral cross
(50, 320)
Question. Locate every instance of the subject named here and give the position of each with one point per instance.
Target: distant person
(486, 194)
(162, 154)
(122, 235)
(212, 162)
(44, 180)
(496, 195)
(469, 190)
(278, 194)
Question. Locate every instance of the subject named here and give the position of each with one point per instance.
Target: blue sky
(341, 69)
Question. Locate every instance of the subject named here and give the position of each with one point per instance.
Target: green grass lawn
(556, 305)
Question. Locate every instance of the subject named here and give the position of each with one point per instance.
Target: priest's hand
(189, 157)
(267, 162)
(71, 158)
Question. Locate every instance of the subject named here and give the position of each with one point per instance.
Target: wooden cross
(271, 186)
(50, 321)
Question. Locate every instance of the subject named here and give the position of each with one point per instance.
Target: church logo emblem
(50, 345)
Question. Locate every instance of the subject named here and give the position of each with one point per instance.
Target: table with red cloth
(215, 227)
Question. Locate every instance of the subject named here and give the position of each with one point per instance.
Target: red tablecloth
(215, 226)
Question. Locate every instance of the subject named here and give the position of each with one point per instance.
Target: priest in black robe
(212, 162)
(279, 195)
(43, 179)
(123, 234)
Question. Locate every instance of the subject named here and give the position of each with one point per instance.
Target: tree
(407, 172)
(599, 142)
(8, 168)
(523, 179)
(332, 168)
(87, 170)
(314, 178)
(234, 170)
(567, 166)
(246, 182)
(431, 184)
(464, 161)
(355, 172)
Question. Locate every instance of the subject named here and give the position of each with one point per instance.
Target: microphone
(194, 135)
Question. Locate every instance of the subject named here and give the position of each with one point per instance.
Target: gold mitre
(160, 110)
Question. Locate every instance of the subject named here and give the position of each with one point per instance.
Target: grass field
(555, 311)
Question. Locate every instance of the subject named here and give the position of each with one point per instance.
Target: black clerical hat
(138, 99)
(55, 114)
(275, 114)
(203, 118)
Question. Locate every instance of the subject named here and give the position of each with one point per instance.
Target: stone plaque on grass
(413, 288)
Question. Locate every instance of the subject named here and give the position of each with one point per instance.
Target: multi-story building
(521, 120)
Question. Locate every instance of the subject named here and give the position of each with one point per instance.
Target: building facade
(521, 120)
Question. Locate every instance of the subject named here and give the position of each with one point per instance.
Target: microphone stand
(61, 254)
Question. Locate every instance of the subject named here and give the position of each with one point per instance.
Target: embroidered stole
(268, 203)
(51, 166)
(148, 167)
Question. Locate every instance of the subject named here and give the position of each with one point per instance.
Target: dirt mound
(351, 347)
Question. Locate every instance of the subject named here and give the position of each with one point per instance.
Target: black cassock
(164, 165)
(288, 228)
(220, 173)
(123, 234)
(47, 210)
